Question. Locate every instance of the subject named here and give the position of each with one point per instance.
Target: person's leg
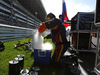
(55, 57)
(59, 52)
(65, 47)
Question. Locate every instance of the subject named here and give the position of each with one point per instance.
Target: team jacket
(58, 32)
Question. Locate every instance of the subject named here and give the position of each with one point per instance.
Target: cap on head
(51, 15)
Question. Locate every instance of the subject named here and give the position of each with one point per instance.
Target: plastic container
(21, 55)
(14, 67)
(42, 56)
(21, 62)
(24, 72)
(33, 73)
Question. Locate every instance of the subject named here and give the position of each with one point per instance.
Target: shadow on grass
(32, 54)
(21, 48)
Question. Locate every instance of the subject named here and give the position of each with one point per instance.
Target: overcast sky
(73, 6)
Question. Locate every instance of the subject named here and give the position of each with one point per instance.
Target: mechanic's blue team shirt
(58, 31)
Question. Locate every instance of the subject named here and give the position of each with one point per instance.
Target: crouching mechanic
(58, 35)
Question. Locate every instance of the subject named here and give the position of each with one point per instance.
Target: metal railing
(13, 13)
(16, 22)
(9, 33)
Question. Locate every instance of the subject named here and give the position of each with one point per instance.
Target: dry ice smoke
(47, 46)
(38, 42)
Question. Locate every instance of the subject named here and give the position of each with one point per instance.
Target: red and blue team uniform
(58, 35)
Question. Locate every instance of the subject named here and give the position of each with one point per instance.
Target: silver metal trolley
(83, 32)
(97, 23)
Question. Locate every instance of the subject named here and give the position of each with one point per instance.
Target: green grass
(10, 53)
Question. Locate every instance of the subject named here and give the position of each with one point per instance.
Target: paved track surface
(87, 62)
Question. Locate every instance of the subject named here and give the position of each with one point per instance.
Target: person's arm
(48, 36)
(52, 24)
(42, 27)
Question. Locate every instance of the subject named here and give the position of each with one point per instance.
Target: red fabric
(57, 51)
(57, 35)
(57, 26)
(64, 15)
(65, 19)
(42, 28)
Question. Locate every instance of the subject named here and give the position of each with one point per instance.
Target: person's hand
(48, 36)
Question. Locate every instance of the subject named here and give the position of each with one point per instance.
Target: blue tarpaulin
(82, 21)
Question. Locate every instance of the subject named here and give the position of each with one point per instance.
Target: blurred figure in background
(60, 17)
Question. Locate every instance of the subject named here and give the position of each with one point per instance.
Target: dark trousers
(59, 52)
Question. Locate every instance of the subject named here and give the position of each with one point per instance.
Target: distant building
(22, 13)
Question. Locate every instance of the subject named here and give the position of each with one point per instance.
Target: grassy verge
(10, 53)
